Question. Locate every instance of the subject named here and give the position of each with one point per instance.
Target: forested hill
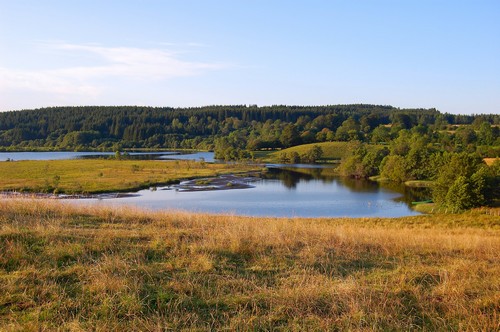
(252, 127)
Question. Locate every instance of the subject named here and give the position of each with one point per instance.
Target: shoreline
(221, 182)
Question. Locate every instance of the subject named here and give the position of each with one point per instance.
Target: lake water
(62, 155)
(281, 193)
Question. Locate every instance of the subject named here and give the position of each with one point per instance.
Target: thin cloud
(124, 63)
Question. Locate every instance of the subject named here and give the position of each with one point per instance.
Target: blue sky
(406, 53)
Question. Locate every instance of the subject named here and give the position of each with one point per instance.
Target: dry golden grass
(490, 161)
(92, 268)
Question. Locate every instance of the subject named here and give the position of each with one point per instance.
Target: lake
(62, 155)
(280, 193)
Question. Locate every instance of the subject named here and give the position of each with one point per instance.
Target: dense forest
(240, 127)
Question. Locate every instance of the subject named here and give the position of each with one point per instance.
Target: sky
(405, 53)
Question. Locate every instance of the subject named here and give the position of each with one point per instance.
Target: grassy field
(103, 175)
(86, 268)
(419, 183)
(331, 150)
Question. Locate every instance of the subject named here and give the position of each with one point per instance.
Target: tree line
(243, 128)
(457, 173)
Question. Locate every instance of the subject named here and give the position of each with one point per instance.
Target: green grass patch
(332, 151)
(428, 208)
(419, 184)
(262, 154)
(378, 178)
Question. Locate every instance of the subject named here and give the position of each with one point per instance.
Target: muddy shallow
(223, 182)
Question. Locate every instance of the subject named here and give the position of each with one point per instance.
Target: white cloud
(137, 63)
(134, 65)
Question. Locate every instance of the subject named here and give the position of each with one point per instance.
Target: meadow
(93, 176)
(332, 151)
(67, 267)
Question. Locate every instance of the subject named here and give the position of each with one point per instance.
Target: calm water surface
(63, 155)
(282, 193)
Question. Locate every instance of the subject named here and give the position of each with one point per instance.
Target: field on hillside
(103, 175)
(88, 268)
(490, 161)
(331, 150)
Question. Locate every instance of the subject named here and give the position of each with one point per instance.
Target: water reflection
(290, 177)
(359, 185)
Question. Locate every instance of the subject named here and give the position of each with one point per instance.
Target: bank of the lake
(66, 267)
(93, 176)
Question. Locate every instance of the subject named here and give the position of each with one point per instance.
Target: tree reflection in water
(290, 178)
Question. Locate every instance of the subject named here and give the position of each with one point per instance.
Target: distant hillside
(331, 150)
(251, 127)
